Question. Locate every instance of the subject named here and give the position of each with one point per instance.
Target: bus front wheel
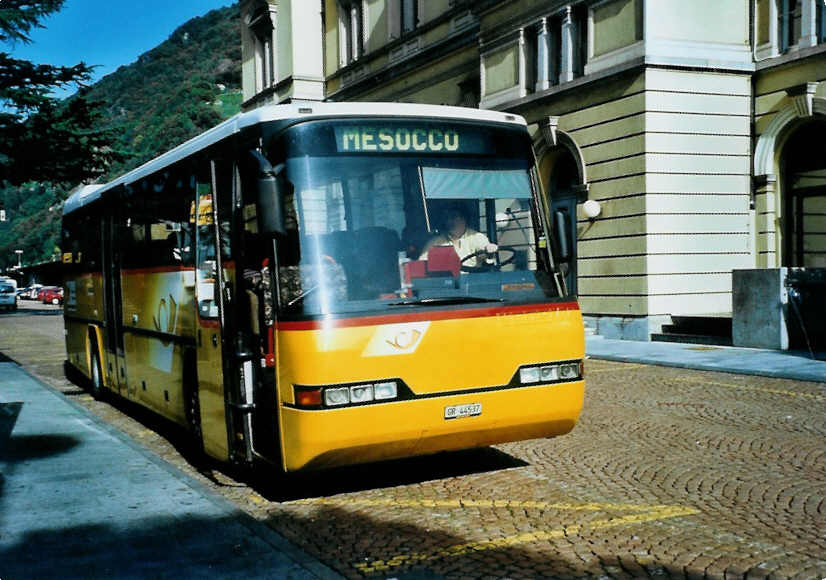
(96, 374)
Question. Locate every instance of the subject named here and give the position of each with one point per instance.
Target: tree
(41, 137)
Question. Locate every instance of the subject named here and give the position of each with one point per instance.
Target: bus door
(114, 365)
(223, 421)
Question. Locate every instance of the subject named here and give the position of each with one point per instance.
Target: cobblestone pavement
(670, 473)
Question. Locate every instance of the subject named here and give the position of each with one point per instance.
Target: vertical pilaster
(566, 72)
(355, 30)
(523, 65)
(808, 14)
(543, 52)
(273, 78)
(774, 27)
(767, 233)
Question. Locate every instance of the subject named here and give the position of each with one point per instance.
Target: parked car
(8, 294)
(52, 295)
(31, 292)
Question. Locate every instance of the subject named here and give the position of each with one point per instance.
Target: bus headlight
(321, 397)
(361, 394)
(336, 397)
(384, 391)
(569, 371)
(550, 372)
(529, 375)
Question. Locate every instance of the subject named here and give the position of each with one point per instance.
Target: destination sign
(408, 139)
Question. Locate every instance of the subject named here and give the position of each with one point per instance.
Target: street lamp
(19, 258)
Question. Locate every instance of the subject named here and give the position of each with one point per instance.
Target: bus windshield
(384, 216)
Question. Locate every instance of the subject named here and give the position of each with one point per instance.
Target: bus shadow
(274, 485)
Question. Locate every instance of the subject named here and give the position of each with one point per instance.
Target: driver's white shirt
(468, 243)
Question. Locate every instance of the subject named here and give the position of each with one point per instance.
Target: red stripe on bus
(158, 270)
(230, 265)
(425, 316)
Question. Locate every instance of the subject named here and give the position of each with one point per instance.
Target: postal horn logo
(405, 339)
(396, 339)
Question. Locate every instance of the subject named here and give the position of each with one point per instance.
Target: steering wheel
(485, 267)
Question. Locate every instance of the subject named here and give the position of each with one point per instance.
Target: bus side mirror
(563, 233)
(270, 195)
(271, 188)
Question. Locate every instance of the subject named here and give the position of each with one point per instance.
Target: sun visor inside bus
(442, 183)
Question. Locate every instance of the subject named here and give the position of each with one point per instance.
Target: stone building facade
(697, 126)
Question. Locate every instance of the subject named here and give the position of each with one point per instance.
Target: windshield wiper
(440, 301)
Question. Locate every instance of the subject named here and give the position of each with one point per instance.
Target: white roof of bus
(306, 110)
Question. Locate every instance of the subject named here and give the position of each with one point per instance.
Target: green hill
(185, 85)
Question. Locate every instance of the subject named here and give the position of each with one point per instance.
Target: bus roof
(301, 110)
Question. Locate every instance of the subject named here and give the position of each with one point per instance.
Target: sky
(108, 34)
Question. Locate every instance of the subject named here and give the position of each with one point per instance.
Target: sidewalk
(748, 361)
(80, 500)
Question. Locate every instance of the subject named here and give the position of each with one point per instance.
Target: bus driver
(465, 240)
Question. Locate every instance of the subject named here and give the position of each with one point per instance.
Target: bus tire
(95, 374)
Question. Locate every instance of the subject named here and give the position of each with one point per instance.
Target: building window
(261, 26)
(789, 17)
(821, 21)
(351, 29)
(402, 17)
(580, 39)
(409, 15)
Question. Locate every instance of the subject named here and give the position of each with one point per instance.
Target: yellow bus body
(446, 358)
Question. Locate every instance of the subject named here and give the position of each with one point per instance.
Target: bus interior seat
(443, 261)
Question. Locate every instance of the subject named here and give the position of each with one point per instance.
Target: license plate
(461, 411)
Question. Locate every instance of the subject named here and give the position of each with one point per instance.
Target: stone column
(808, 23)
(543, 53)
(566, 69)
(523, 64)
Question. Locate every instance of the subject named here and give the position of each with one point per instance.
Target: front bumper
(315, 439)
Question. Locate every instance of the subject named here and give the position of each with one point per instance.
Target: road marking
(640, 514)
(756, 389)
(471, 503)
(645, 514)
(612, 368)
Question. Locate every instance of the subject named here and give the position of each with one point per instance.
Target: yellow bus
(324, 284)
